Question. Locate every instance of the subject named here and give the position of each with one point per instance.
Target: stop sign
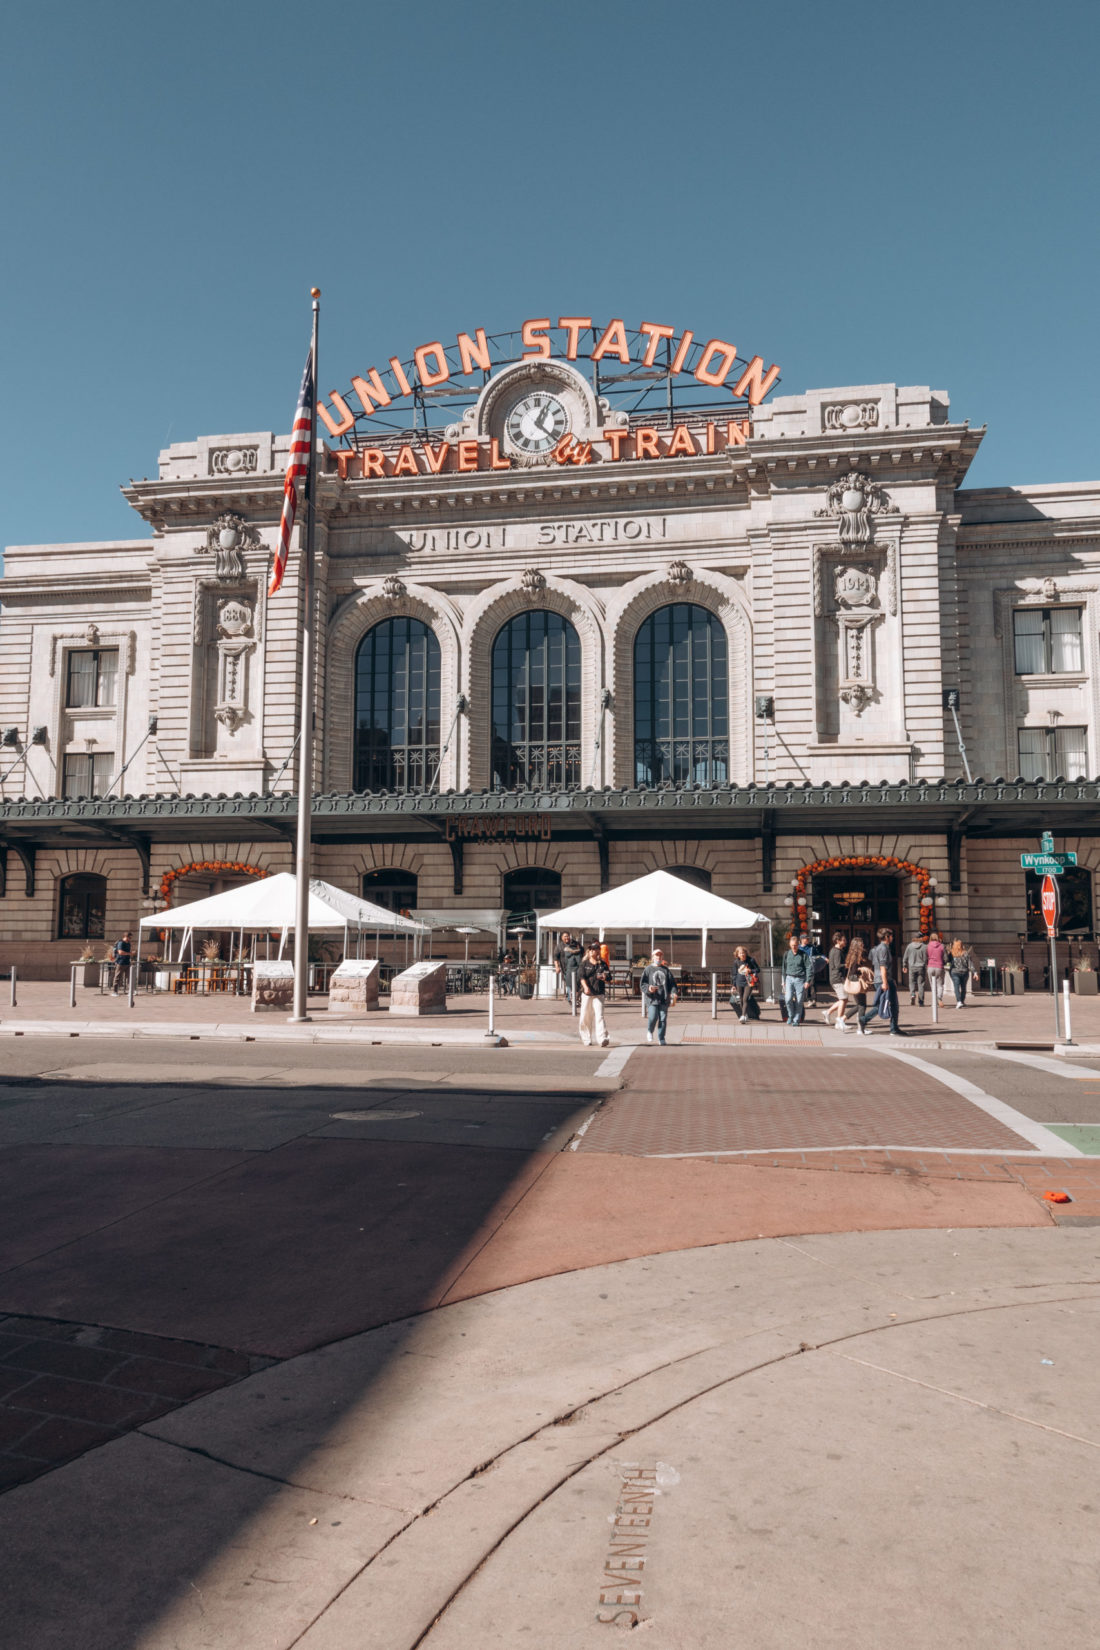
(1049, 903)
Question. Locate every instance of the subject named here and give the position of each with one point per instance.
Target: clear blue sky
(863, 192)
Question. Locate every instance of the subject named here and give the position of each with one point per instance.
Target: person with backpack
(658, 987)
(121, 956)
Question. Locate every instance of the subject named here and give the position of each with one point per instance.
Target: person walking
(658, 987)
(567, 962)
(960, 963)
(935, 966)
(746, 979)
(858, 980)
(797, 970)
(837, 972)
(914, 963)
(886, 992)
(594, 975)
(121, 956)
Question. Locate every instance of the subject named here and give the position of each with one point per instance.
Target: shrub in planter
(1084, 979)
(1014, 981)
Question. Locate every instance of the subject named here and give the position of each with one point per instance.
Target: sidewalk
(843, 1441)
(43, 1009)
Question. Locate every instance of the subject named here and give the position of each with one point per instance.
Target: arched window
(681, 698)
(397, 708)
(537, 704)
(395, 890)
(691, 873)
(82, 908)
(531, 888)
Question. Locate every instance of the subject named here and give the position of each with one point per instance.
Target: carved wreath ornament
(227, 539)
(856, 500)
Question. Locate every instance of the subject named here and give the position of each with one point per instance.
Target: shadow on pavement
(286, 1227)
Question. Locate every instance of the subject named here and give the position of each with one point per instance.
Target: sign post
(1050, 906)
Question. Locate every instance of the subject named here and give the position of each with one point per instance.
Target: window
(691, 873)
(88, 775)
(681, 698)
(1075, 893)
(1053, 753)
(82, 911)
(397, 708)
(532, 888)
(1048, 640)
(92, 677)
(537, 704)
(395, 890)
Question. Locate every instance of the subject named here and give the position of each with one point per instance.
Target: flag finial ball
(315, 291)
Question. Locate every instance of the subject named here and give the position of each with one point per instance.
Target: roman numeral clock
(536, 422)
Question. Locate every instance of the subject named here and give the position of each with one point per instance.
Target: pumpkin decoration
(842, 862)
(234, 866)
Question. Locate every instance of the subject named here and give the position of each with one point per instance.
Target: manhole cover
(378, 1116)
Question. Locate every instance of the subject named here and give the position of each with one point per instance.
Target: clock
(536, 423)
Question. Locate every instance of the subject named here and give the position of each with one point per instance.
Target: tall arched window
(681, 698)
(397, 708)
(530, 888)
(395, 890)
(537, 704)
(82, 909)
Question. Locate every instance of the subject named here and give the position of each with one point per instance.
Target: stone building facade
(740, 650)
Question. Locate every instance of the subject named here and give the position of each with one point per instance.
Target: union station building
(772, 642)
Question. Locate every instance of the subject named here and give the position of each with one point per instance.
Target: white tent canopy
(659, 902)
(266, 904)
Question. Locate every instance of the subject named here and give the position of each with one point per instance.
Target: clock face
(537, 423)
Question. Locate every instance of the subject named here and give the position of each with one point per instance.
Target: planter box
(1084, 982)
(87, 975)
(1015, 983)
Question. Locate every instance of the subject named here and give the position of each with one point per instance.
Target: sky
(861, 192)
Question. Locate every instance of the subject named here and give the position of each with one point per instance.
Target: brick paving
(69, 1387)
(677, 1100)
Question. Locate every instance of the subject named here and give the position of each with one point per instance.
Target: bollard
(714, 996)
(72, 985)
(1065, 1009)
(131, 971)
(573, 991)
(13, 1003)
(492, 1001)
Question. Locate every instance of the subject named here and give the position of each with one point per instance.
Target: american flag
(296, 471)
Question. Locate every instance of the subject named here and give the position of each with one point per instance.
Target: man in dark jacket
(567, 961)
(658, 987)
(797, 969)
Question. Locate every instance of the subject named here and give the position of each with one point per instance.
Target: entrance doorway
(855, 905)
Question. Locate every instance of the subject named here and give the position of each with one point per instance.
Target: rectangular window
(1048, 640)
(87, 775)
(1053, 753)
(92, 678)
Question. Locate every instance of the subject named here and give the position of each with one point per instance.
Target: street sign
(1046, 843)
(1047, 864)
(1049, 902)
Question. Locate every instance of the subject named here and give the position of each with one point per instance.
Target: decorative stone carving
(856, 687)
(92, 636)
(855, 501)
(227, 539)
(272, 986)
(855, 587)
(532, 580)
(680, 573)
(857, 695)
(235, 643)
(1034, 593)
(393, 588)
(421, 989)
(353, 989)
(233, 461)
(851, 415)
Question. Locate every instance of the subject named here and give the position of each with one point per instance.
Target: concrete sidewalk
(872, 1440)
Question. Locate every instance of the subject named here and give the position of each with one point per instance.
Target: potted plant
(87, 966)
(1014, 979)
(1084, 977)
(526, 982)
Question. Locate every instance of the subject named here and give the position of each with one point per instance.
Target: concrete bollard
(492, 1004)
(72, 984)
(13, 976)
(131, 986)
(714, 996)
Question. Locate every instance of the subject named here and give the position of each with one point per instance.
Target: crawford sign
(713, 363)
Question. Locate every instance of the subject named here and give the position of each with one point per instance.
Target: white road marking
(870, 1146)
(583, 1130)
(1042, 1062)
(616, 1060)
(1050, 1145)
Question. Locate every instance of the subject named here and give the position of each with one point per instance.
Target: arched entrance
(203, 877)
(855, 894)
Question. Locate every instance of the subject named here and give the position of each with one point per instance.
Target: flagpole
(305, 749)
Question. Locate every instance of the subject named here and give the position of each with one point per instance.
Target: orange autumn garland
(843, 862)
(234, 865)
